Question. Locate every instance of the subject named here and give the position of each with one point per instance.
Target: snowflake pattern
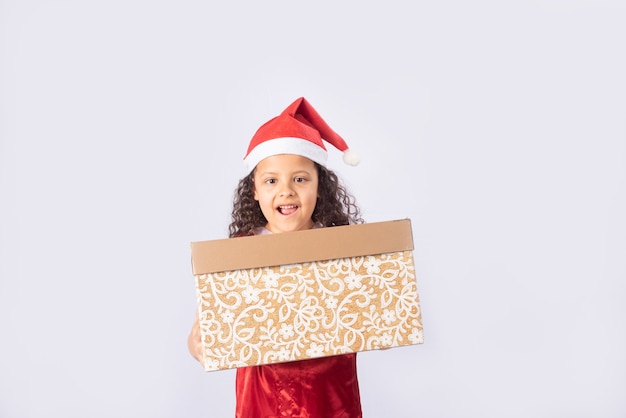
(331, 302)
(353, 280)
(389, 316)
(251, 294)
(315, 350)
(372, 264)
(228, 317)
(416, 336)
(298, 311)
(286, 330)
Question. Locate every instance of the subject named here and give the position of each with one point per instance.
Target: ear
(256, 195)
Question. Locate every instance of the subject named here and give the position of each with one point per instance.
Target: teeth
(285, 209)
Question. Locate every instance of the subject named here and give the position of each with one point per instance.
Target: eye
(269, 181)
(299, 179)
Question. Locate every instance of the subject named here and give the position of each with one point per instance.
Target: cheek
(314, 197)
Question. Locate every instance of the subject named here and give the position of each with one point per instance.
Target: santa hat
(298, 130)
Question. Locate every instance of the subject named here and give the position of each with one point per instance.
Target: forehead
(285, 163)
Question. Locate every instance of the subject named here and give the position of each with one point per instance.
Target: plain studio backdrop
(498, 128)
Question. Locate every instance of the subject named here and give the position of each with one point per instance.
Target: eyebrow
(274, 173)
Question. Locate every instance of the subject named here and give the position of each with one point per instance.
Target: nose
(286, 190)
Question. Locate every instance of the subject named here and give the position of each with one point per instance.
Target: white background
(498, 127)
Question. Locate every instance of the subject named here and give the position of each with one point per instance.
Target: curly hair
(335, 206)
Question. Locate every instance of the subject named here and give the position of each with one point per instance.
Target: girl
(288, 188)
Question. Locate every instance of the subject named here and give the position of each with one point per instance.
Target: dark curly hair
(335, 206)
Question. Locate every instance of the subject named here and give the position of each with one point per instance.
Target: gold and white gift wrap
(299, 295)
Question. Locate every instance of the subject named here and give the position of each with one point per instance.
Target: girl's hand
(194, 341)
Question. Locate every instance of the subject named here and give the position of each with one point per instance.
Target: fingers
(194, 341)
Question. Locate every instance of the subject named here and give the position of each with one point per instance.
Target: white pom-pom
(351, 158)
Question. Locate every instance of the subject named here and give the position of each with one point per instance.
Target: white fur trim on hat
(287, 145)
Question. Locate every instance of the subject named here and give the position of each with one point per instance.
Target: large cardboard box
(298, 295)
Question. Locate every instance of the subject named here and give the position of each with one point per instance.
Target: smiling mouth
(287, 209)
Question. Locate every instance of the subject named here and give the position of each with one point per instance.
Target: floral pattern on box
(299, 311)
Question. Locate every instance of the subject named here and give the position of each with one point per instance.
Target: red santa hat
(298, 130)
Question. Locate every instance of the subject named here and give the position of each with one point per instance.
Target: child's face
(285, 186)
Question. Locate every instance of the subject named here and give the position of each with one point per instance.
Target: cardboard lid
(301, 246)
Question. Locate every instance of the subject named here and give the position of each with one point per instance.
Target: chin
(289, 227)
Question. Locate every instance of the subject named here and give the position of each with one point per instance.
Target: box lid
(301, 246)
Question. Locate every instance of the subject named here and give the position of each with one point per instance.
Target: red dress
(324, 387)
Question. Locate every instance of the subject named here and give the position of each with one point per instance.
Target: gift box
(298, 295)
